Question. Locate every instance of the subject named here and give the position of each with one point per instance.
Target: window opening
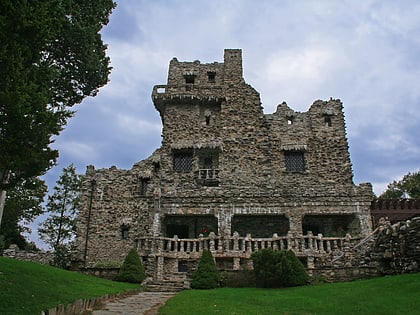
(295, 161)
(290, 120)
(189, 79)
(211, 76)
(327, 121)
(143, 186)
(124, 231)
(183, 161)
(207, 115)
(156, 166)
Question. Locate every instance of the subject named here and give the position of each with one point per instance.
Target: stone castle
(227, 178)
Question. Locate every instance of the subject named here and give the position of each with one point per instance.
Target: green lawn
(386, 295)
(28, 288)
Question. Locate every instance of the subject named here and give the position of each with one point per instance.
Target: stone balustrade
(243, 247)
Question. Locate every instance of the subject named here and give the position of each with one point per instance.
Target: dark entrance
(331, 225)
(189, 226)
(260, 225)
(181, 230)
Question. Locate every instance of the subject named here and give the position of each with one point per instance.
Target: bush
(274, 269)
(206, 276)
(132, 269)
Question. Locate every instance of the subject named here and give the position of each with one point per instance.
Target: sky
(364, 52)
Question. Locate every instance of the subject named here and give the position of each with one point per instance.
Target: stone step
(166, 285)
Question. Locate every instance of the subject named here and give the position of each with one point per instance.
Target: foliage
(408, 185)
(59, 229)
(52, 57)
(2, 244)
(132, 269)
(206, 276)
(274, 269)
(23, 205)
(396, 295)
(29, 288)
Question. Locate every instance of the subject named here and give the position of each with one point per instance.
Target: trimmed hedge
(206, 276)
(132, 269)
(275, 269)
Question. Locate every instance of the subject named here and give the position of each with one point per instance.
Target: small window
(183, 161)
(211, 76)
(290, 120)
(156, 166)
(189, 79)
(124, 231)
(327, 121)
(295, 161)
(143, 186)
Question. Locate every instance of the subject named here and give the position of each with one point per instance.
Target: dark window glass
(183, 162)
(295, 161)
(124, 232)
(143, 186)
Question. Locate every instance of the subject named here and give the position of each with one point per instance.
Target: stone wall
(397, 247)
(223, 158)
(42, 257)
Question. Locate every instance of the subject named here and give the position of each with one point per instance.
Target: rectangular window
(183, 161)
(143, 186)
(295, 161)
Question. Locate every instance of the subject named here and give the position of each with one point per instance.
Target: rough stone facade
(224, 167)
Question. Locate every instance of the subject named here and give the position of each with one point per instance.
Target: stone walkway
(146, 303)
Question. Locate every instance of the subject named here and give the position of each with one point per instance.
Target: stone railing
(237, 246)
(174, 91)
(208, 173)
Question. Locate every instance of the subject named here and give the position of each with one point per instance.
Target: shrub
(132, 269)
(275, 269)
(206, 276)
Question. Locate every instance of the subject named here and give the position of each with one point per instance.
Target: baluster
(236, 241)
(200, 243)
(212, 237)
(321, 243)
(310, 239)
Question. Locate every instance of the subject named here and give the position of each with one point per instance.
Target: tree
(206, 276)
(409, 186)
(59, 229)
(51, 57)
(23, 205)
(275, 269)
(132, 269)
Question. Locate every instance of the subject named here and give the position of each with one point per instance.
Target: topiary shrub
(293, 272)
(206, 276)
(132, 269)
(274, 269)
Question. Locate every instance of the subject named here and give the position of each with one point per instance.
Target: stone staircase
(170, 283)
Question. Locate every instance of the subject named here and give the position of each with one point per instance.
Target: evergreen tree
(132, 269)
(206, 276)
(274, 269)
(59, 229)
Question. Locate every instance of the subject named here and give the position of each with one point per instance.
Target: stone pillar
(236, 263)
(160, 262)
(295, 221)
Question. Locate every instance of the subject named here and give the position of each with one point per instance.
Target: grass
(28, 288)
(391, 295)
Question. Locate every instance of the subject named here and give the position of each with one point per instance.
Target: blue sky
(365, 53)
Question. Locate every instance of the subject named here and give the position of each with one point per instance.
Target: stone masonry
(227, 177)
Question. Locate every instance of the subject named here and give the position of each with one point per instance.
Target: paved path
(146, 303)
